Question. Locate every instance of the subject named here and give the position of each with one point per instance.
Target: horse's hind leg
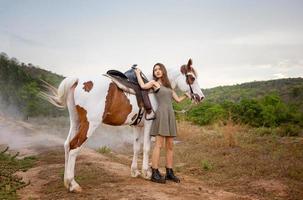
(85, 131)
(136, 148)
(72, 131)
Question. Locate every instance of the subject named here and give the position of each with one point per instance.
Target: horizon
(42, 68)
(230, 42)
(234, 84)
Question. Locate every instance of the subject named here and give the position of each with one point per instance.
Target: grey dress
(165, 122)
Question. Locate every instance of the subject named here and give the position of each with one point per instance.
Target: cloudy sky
(230, 42)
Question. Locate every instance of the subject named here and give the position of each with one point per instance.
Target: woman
(164, 126)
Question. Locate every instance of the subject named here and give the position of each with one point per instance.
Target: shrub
(206, 165)
(268, 111)
(104, 150)
(289, 130)
(207, 113)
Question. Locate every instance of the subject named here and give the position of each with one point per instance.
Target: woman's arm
(143, 85)
(179, 99)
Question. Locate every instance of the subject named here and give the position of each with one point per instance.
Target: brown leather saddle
(129, 79)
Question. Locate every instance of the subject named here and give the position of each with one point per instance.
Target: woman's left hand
(137, 70)
(188, 95)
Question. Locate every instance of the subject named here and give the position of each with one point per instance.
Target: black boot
(157, 177)
(171, 176)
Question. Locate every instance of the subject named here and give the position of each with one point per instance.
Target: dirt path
(103, 178)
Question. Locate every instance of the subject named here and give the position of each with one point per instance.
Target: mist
(9, 110)
(44, 132)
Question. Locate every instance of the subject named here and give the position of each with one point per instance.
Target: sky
(230, 42)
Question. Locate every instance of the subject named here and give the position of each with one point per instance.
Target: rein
(185, 109)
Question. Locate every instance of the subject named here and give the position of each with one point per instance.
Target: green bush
(207, 113)
(267, 112)
(9, 165)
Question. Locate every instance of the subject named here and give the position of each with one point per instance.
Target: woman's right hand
(156, 85)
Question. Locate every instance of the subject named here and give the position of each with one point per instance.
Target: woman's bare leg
(169, 143)
(169, 160)
(156, 151)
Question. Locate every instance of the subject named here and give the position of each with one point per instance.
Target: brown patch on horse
(87, 86)
(183, 69)
(117, 106)
(81, 136)
(188, 68)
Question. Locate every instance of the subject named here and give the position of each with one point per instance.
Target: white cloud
(279, 75)
(266, 38)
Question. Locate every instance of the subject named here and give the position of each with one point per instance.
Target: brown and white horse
(93, 101)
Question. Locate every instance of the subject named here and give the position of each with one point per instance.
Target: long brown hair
(164, 78)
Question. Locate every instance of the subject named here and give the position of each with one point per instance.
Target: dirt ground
(107, 175)
(103, 178)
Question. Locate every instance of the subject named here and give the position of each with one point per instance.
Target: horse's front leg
(136, 148)
(146, 171)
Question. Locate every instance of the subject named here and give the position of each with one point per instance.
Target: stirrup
(152, 118)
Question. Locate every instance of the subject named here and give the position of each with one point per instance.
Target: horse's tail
(58, 96)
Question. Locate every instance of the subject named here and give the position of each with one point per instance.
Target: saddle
(129, 79)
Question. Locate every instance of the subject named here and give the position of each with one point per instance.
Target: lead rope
(184, 110)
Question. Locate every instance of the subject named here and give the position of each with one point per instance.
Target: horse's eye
(191, 79)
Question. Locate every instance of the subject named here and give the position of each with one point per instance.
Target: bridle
(193, 95)
(187, 74)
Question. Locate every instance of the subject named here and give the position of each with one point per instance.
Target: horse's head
(187, 82)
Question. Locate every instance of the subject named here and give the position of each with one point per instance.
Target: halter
(192, 94)
(187, 81)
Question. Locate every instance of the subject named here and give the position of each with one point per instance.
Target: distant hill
(271, 104)
(290, 90)
(19, 85)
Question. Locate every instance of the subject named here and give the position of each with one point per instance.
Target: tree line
(20, 84)
(274, 103)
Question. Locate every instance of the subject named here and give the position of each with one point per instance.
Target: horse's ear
(189, 64)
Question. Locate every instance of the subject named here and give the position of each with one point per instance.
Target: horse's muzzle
(197, 98)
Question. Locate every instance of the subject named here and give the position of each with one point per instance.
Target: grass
(206, 165)
(233, 157)
(104, 150)
(9, 164)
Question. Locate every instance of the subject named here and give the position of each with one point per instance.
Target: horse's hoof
(146, 174)
(135, 173)
(66, 183)
(76, 189)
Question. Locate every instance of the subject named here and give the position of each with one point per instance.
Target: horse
(92, 101)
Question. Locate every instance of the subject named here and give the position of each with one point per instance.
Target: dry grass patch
(233, 157)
